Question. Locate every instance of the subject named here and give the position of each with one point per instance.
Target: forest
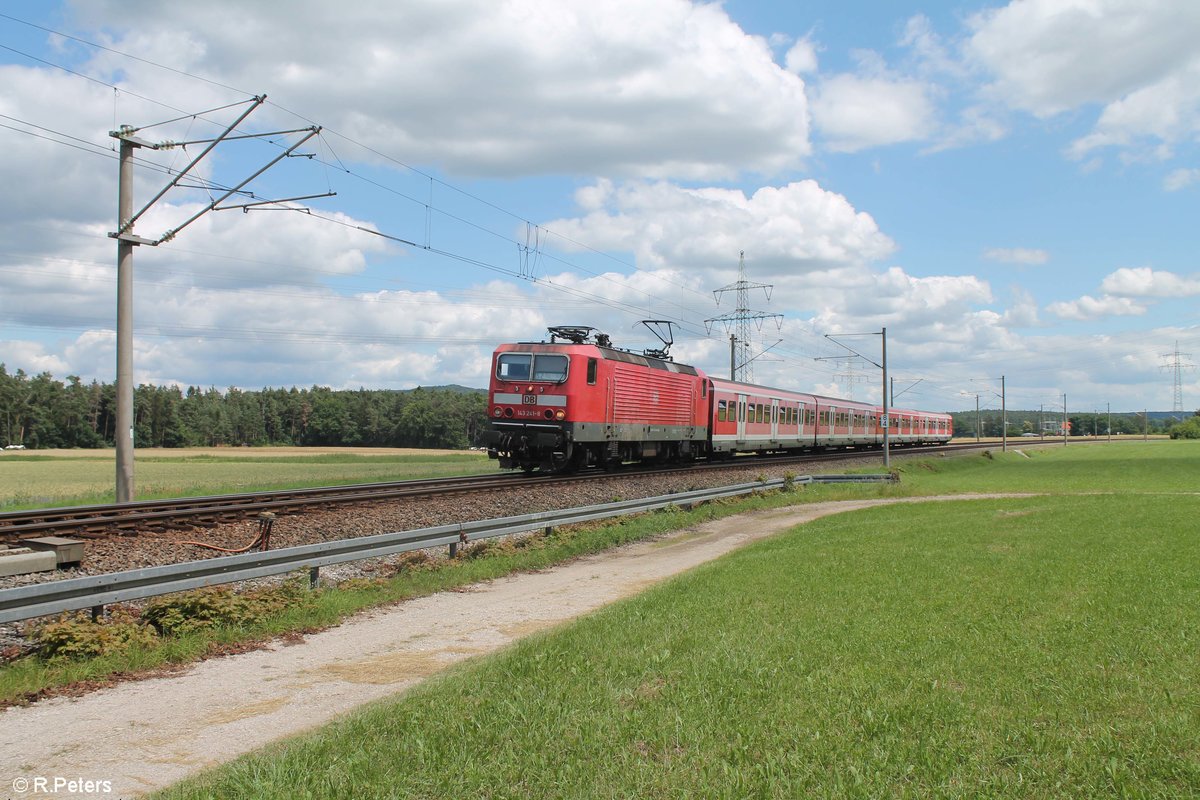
(43, 412)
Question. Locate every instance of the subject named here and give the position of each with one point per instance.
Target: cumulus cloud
(1023, 313)
(939, 308)
(1049, 56)
(1090, 308)
(797, 227)
(801, 57)
(665, 89)
(854, 112)
(1016, 255)
(1147, 282)
(1136, 58)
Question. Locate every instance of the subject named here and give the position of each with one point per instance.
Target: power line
(340, 166)
(1176, 366)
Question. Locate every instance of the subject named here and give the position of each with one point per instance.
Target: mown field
(1041, 646)
(36, 478)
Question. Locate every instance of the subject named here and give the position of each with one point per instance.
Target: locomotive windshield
(520, 366)
(550, 368)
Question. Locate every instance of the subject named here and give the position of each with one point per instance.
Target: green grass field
(1033, 647)
(32, 479)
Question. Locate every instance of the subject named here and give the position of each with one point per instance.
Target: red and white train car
(746, 417)
(561, 406)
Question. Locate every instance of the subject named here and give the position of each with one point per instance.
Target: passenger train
(560, 406)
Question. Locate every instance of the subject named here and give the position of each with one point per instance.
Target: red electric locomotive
(579, 402)
(575, 403)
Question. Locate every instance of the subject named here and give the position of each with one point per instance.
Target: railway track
(129, 519)
(95, 521)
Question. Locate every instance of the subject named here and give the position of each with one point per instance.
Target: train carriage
(564, 405)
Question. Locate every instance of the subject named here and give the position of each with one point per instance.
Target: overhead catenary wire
(336, 163)
(341, 165)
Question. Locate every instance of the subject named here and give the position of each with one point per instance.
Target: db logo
(529, 399)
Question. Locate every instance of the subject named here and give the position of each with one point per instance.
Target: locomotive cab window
(514, 366)
(591, 372)
(550, 368)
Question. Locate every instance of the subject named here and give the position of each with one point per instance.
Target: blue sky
(1010, 189)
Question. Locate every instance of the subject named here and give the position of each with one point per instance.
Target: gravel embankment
(148, 549)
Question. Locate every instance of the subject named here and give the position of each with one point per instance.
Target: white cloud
(1147, 282)
(894, 297)
(1050, 56)
(854, 112)
(801, 58)
(660, 89)
(933, 56)
(785, 230)
(1016, 255)
(1023, 313)
(1136, 58)
(1181, 179)
(1090, 308)
(56, 180)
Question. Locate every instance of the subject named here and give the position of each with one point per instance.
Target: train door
(774, 419)
(741, 418)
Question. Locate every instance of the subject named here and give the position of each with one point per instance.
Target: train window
(591, 376)
(514, 366)
(550, 368)
(722, 410)
(751, 410)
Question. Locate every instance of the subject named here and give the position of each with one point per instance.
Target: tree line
(990, 423)
(43, 412)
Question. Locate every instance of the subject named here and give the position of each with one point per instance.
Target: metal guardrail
(72, 594)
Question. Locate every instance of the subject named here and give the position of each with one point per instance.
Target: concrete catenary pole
(887, 410)
(123, 434)
(1003, 418)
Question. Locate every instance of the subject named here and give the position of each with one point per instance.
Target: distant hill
(450, 387)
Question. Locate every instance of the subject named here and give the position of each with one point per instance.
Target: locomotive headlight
(497, 411)
(560, 415)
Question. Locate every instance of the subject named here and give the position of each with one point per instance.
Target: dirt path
(145, 735)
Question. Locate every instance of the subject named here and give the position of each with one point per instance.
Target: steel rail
(15, 525)
(25, 602)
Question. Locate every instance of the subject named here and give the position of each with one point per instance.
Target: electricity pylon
(741, 361)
